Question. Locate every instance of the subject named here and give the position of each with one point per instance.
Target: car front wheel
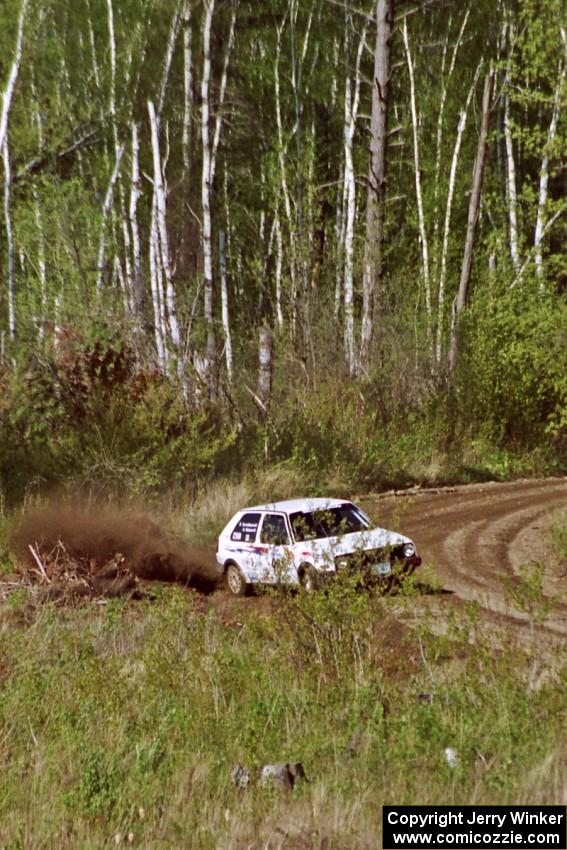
(235, 581)
(309, 579)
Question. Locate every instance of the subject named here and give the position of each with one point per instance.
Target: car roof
(290, 506)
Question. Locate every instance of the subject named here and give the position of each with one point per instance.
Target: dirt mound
(103, 552)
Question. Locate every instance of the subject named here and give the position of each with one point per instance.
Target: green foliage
(514, 377)
(559, 538)
(81, 407)
(88, 415)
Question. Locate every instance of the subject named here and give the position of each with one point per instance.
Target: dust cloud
(96, 535)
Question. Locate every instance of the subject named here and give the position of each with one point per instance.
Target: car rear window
(246, 528)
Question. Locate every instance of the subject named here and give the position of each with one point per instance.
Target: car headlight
(408, 550)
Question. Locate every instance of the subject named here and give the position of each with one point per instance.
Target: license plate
(383, 569)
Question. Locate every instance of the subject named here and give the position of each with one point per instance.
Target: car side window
(274, 530)
(245, 529)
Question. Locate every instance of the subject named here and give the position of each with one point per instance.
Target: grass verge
(119, 725)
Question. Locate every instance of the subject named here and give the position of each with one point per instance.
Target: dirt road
(476, 536)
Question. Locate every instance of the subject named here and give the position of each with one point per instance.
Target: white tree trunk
(106, 208)
(441, 114)
(41, 260)
(283, 180)
(9, 239)
(351, 112)
(447, 226)
(262, 223)
(125, 280)
(166, 265)
(417, 171)
(544, 176)
(41, 264)
(128, 273)
(187, 86)
(222, 93)
(94, 60)
(8, 92)
(171, 40)
(224, 307)
(279, 266)
(112, 91)
(349, 232)
(210, 364)
(135, 192)
(511, 166)
(376, 198)
(156, 288)
(265, 362)
(300, 236)
(474, 210)
(340, 230)
(511, 187)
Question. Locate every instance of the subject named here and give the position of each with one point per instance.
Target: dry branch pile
(62, 575)
(65, 553)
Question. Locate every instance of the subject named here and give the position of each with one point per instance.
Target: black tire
(309, 579)
(235, 581)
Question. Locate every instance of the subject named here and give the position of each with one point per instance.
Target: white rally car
(304, 541)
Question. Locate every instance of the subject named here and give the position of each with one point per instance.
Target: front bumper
(378, 565)
(412, 563)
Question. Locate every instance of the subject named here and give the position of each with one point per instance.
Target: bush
(91, 417)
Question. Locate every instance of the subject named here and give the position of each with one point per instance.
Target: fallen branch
(39, 562)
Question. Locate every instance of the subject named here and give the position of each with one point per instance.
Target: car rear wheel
(235, 581)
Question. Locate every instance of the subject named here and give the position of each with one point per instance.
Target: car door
(242, 545)
(277, 552)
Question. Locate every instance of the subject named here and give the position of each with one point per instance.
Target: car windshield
(331, 522)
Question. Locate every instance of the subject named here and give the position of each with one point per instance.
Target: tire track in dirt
(477, 537)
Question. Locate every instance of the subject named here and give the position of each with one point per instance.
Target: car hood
(375, 538)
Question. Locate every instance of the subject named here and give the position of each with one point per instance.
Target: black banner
(463, 827)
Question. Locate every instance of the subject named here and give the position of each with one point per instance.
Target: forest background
(297, 233)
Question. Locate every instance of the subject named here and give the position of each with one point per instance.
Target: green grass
(121, 723)
(559, 538)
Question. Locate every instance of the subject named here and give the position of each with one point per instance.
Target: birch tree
(375, 204)
(164, 252)
(352, 99)
(474, 208)
(447, 223)
(209, 153)
(544, 172)
(510, 158)
(8, 92)
(106, 209)
(265, 368)
(135, 193)
(187, 85)
(225, 307)
(7, 96)
(446, 77)
(210, 357)
(417, 171)
(9, 239)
